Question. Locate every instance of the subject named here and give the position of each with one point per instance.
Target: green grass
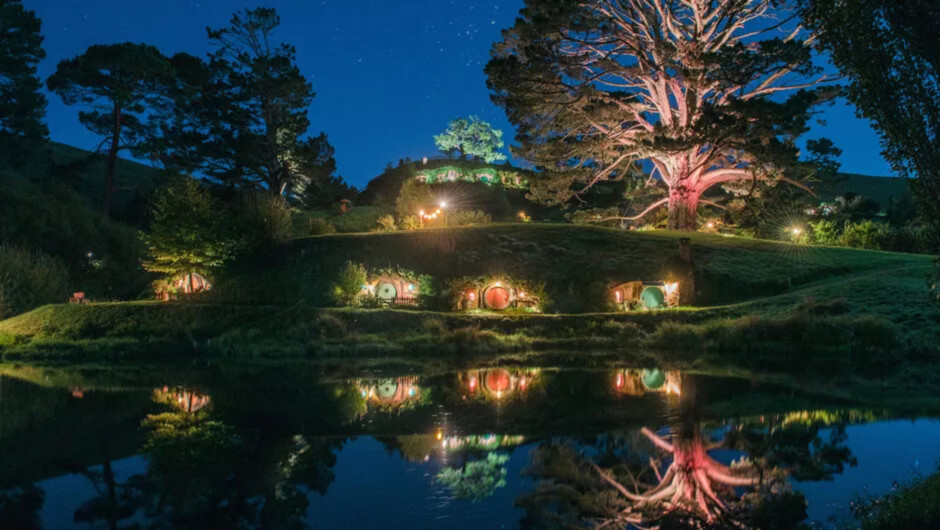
(356, 219)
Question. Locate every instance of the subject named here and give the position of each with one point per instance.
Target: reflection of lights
(672, 388)
(439, 435)
(473, 384)
(499, 394)
(619, 380)
(522, 383)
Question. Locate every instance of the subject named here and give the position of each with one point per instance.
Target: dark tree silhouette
(22, 105)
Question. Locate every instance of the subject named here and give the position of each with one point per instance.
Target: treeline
(237, 118)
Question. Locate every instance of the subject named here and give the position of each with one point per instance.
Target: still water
(496, 447)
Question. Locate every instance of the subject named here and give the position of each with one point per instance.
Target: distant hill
(84, 172)
(878, 189)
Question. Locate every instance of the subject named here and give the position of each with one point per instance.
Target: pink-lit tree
(693, 482)
(600, 89)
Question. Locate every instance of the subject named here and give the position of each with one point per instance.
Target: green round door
(653, 379)
(386, 292)
(387, 388)
(652, 298)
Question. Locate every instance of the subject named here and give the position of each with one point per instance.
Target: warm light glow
(711, 224)
(671, 287)
(522, 294)
(443, 204)
(421, 213)
(672, 388)
(473, 384)
(471, 295)
(619, 380)
(440, 435)
(498, 284)
(796, 230)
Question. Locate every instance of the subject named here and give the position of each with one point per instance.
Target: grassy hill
(760, 301)
(879, 189)
(84, 172)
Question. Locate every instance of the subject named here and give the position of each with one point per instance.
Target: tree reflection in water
(645, 479)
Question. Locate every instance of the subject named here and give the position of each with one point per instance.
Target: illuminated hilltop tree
(690, 88)
(471, 137)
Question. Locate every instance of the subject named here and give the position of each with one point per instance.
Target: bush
(28, 280)
(318, 226)
(410, 222)
(349, 283)
(593, 216)
(386, 223)
(468, 218)
(863, 234)
(266, 220)
(413, 197)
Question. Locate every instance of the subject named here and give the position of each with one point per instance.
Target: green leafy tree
(22, 105)
(189, 232)
(685, 87)
(352, 277)
(119, 85)
(471, 137)
(890, 53)
(241, 118)
(478, 479)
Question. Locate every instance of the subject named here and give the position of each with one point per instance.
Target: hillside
(84, 172)
(574, 262)
(882, 190)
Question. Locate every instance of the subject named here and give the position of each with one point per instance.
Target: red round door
(496, 298)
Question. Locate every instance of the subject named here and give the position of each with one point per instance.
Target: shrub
(413, 197)
(319, 226)
(863, 234)
(386, 223)
(468, 218)
(349, 283)
(824, 232)
(593, 216)
(266, 220)
(410, 222)
(29, 279)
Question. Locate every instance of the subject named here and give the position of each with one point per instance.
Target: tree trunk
(683, 208)
(112, 161)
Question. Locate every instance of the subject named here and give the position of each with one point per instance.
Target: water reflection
(560, 448)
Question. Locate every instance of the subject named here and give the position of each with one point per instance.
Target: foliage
(413, 197)
(327, 191)
(355, 219)
(241, 118)
(468, 218)
(913, 505)
(876, 235)
(595, 216)
(102, 256)
(478, 479)
(317, 226)
(120, 84)
(349, 282)
(471, 137)
(29, 279)
(265, 220)
(887, 50)
(386, 223)
(189, 232)
(22, 105)
(592, 90)
(509, 178)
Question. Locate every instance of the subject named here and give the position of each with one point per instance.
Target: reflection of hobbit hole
(498, 380)
(193, 283)
(639, 382)
(645, 295)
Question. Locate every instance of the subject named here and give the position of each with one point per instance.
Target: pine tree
(22, 105)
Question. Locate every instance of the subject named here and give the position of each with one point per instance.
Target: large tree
(22, 106)
(120, 86)
(685, 87)
(241, 118)
(471, 137)
(889, 50)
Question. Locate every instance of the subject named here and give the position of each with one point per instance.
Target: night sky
(388, 74)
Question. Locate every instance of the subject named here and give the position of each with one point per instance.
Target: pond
(489, 447)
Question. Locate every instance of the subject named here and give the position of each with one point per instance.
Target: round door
(496, 298)
(386, 292)
(653, 379)
(387, 388)
(652, 298)
(497, 380)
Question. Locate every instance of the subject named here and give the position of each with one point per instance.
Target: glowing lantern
(471, 296)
